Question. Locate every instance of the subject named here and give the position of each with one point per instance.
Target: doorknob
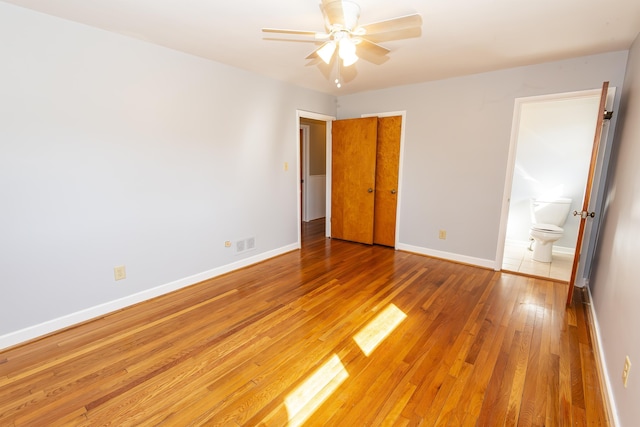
(370, 190)
(584, 214)
(393, 191)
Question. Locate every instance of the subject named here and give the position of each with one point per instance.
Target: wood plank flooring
(336, 334)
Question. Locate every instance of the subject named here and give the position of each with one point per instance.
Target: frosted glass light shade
(326, 51)
(347, 52)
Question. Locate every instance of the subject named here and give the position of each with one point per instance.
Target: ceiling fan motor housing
(344, 14)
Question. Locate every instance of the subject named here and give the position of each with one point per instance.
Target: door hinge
(607, 115)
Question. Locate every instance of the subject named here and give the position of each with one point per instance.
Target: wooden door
(353, 174)
(302, 171)
(386, 195)
(587, 192)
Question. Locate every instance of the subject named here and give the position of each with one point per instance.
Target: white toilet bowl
(544, 236)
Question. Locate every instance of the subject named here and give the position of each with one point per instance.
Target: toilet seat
(547, 228)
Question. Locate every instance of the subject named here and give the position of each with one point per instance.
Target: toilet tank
(550, 211)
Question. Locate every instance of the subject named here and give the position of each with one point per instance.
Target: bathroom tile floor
(518, 258)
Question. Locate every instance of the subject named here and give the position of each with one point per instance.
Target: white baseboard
(564, 250)
(525, 244)
(581, 282)
(35, 331)
(605, 382)
(480, 262)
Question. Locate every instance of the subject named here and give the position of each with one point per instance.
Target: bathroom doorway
(552, 139)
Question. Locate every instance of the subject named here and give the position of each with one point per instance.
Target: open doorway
(552, 139)
(313, 167)
(314, 149)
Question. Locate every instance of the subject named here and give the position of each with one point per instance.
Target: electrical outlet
(119, 272)
(625, 371)
(442, 234)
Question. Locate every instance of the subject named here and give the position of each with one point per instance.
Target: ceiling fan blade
(314, 54)
(371, 52)
(324, 52)
(394, 24)
(316, 35)
(388, 36)
(341, 14)
(372, 47)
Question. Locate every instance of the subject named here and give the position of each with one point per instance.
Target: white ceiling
(458, 36)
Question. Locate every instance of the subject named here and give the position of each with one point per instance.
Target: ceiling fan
(344, 35)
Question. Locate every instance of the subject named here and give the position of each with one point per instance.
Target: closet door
(353, 172)
(387, 165)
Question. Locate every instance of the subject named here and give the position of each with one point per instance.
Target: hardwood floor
(338, 334)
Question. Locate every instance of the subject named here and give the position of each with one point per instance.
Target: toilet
(547, 217)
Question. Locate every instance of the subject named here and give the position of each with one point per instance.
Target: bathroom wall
(554, 145)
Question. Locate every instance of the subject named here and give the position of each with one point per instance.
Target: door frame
(592, 227)
(304, 175)
(403, 114)
(327, 119)
(601, 167)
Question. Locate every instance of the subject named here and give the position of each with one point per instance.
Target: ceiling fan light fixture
(326, 51)
(342, 34)
(350, 60)
(347, 51)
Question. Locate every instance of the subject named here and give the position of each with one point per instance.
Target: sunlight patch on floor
(308, 396)
(379, 328)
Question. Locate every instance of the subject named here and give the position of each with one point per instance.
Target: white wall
(456, 147)
(316, 197)
(114, 152)
(615, 284)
